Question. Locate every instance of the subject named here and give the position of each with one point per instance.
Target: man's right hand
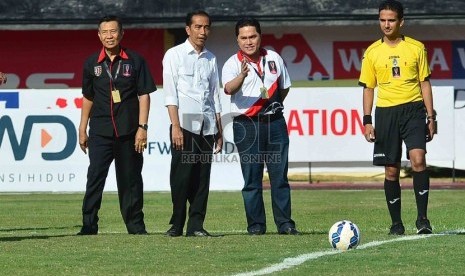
(244, 68)
(177, 137)
(369, 133)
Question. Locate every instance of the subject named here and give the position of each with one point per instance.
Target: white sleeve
(284, 78)
(230, 70)
(215, 84)
(170, 78)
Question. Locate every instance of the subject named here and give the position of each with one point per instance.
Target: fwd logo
(10, 99)
(20, 148)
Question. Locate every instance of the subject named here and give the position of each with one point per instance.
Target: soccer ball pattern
(344, 235)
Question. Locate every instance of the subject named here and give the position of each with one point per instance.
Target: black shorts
(405, 122)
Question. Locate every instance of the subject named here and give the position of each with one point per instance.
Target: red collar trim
(103, 55)
(241, 55)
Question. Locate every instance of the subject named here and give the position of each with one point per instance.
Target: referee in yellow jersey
(404, 112)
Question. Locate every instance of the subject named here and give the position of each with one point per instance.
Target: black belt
(259, 118)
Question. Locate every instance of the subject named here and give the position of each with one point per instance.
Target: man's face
(110, 34)
(390, 23)
(198, 31)
(249, 40)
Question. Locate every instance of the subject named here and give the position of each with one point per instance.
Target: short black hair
(248, 21)
(392, 5)
(109, 18)
(197, 12)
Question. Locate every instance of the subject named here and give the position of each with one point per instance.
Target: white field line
(295, 261)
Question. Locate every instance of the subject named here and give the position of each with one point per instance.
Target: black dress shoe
(87, 230)
(201, 233)
(198, 233)
(257, 229)
(141, 232)
(289, 231)
(174, 232)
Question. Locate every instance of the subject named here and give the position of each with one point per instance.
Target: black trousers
(190, 180)
(128, 167)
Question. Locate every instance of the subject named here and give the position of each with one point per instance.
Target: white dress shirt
(191, 82)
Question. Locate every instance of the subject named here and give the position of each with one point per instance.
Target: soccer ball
(344, 235)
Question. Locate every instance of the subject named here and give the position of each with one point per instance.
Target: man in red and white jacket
(258, 82)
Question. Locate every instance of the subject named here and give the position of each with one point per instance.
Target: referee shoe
(423, 226)
(397, 229)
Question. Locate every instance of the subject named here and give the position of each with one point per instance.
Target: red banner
(54, 59)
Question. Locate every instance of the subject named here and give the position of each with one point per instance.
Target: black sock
(421, 189)
(392, 192)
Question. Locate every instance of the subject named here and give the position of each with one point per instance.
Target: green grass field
(37, 237)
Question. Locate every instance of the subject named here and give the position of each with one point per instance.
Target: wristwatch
(144, 126)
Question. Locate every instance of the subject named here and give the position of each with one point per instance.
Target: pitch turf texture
(37, 237)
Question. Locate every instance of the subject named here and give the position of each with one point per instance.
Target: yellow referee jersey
(397, 71)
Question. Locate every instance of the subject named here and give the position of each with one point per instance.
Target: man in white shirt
(191, 87)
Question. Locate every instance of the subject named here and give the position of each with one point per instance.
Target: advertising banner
(325, 125)
(39, 147)
(311, 53)
(55, 58)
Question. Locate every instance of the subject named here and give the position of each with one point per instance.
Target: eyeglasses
(109, 32)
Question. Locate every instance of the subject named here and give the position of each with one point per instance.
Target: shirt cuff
(170, 100)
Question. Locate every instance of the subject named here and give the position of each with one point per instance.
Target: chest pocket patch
(127, 70)
(383, 74)
(97, 70)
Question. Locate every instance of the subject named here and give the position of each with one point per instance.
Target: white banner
(39, 152)
(325, 125)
